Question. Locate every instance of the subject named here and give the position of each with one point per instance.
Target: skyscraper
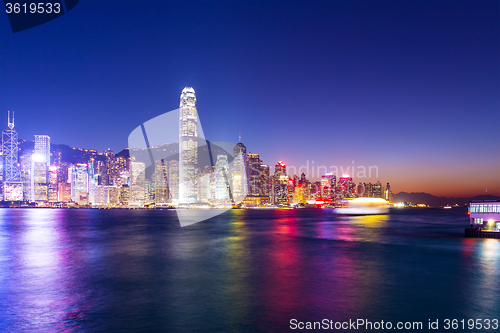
(328, 183)
(79, 181)
(222, 189)
(137, 184)
(239, 172)
(42, 147)
(11, 174)
(279, 189)
(161, 182)
(253, 174)
(345, 187)
(188, 147)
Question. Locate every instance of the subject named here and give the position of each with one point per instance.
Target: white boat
(362, 206)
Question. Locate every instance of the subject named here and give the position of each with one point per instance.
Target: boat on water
(362, 206)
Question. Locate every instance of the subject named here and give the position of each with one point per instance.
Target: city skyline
(42, 153)
(383, 84)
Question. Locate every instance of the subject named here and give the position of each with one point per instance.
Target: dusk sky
(411, 87)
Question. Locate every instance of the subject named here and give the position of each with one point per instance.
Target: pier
(471, 232)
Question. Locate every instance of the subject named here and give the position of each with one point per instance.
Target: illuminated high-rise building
(345, 187)
(173, 181)
(239, 171)
(79, 182)
(25, 162)
(300, 193)
(188, 147)
(279, 169)
(264, 180)
(377, 191)
(328, 183)
(52, 184)
(222, 189)
(388, 194)
(254, 174)
(64, 192)
(42, 147)
(137, 184)
(11, 174)
(279, 189)
(161, 182)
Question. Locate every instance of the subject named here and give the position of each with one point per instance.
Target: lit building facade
(345, 188)
(161, 182)
(137, 184)
(188, 147)
(239, 171)
(222, 189)
(79, 182)
(42, 147)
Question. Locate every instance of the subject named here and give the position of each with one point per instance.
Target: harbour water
(86, 270)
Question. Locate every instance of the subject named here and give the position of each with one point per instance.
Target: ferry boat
(362, 206)
(484, 219)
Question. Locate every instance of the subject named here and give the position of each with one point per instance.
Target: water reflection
(282, 272)
(119, 270)
(41, 280)
(488, 266)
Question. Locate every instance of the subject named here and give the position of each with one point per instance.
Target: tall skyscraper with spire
(188, 147)
(12, 186)
(239, 182)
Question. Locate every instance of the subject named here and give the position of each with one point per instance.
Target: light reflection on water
(243, 271)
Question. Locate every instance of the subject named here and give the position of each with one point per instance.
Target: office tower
(25, 162)
(150, 192)
(79, 178)
(93, 181)
(115, 165)
(188, 147)
(280, 191)
(345, 187)
(11, 174)
(314, 190)
(300, 193)
(42, 147)
(279, 187)
(124, 195)
(52, 184)
(377, 190)
(328, 183)
(222, 189)
(388, 193)
(39, 178)
(291, 190)
(137, 184)
(64, 192)
(125, 178)
(279, 169)
(205, 183)
(254, 174)
(239, 172)
(173, 181)
(368, 190)
(264, 180)
(360, 190)
(161, 182)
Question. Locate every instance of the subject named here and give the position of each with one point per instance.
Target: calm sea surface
(84, 270)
